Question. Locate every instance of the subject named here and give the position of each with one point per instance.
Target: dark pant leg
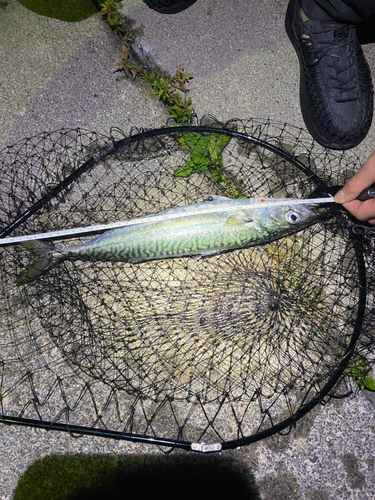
(358, 12)
(349, 11)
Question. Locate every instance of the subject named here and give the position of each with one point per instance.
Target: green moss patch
(65, 10)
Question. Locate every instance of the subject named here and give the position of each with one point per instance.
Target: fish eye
(292, 217)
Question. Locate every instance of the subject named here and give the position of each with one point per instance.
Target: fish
(203, 229)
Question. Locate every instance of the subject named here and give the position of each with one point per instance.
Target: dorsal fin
(217, 197)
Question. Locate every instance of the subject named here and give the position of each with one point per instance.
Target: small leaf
(190, 140)
(184, 171)
(221, 140)
(216, 175)
(369, 383)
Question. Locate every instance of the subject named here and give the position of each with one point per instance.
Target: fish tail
(46, 257)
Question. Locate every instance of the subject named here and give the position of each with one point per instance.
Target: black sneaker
(336, 90)
(169, 6)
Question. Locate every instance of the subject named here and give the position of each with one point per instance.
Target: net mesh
(226, 348)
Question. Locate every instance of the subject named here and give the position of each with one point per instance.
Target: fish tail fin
(45, 258)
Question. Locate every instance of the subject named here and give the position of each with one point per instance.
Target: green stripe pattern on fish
(204, 229)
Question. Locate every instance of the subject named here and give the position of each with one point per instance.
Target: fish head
(297, 217)
(287, 219)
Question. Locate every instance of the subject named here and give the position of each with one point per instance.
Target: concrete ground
(55, 74)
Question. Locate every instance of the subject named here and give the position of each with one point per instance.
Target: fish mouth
(325, 210)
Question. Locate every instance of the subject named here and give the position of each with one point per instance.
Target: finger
(360, 181)
(362, 210)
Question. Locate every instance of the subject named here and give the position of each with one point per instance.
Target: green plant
(171, 91)
(205, 154)
(127, 66)
(359, 368)
(122, 26)
(112, 15)
(205, 150)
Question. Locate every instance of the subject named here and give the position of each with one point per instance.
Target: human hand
(362, 210)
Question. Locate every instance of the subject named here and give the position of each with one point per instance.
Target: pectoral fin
(237, 219)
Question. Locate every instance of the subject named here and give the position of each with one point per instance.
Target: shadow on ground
(141, 477)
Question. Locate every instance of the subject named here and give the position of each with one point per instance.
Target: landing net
(226, 349)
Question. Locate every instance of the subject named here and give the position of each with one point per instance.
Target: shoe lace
(341, 48)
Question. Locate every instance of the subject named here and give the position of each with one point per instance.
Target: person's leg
(344, 11)
(361, 13)
(335, 89)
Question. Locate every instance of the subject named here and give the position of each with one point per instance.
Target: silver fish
(205, 228)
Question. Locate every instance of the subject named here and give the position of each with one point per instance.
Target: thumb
(349, 192)
(361, 180)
